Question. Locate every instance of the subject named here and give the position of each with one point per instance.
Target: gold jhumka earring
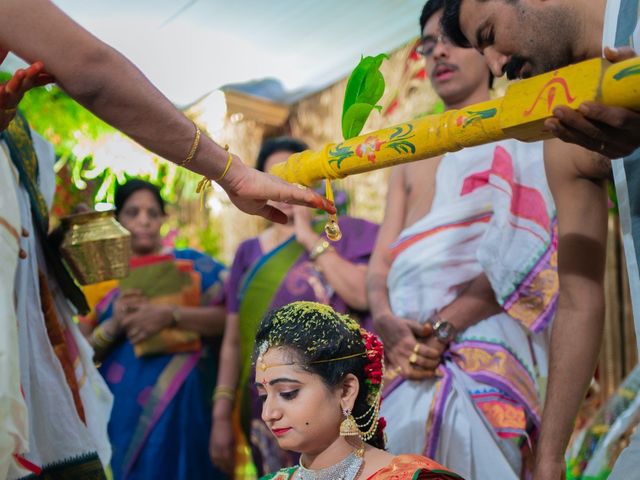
(348, 427)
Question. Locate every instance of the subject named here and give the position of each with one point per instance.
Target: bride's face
(297, 406)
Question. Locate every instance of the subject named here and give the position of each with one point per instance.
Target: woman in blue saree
(155, 334)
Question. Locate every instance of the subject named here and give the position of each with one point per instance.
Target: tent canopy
(190, 47)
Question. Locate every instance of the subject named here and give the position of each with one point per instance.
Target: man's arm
(379, 263)
(577, 181)
(101, 79)
(399, 335)
(475, 303)
(105, 82)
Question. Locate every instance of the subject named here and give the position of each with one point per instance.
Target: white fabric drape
(475, 226)
(56, 432)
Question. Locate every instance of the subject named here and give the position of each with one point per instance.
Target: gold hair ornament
(264, 366)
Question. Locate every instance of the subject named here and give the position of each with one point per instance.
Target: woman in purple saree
(284, 263)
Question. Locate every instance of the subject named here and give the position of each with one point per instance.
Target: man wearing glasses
(447, 286)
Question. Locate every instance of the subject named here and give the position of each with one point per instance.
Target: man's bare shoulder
(416, 173)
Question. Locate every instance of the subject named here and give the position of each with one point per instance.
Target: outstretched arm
(577, 181)
(102, 80)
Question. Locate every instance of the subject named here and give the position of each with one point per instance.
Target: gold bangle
(227, 166)
(99, 331)
(319, 248)
(218, 395)
(222, 388)
(100, 344)
(194, 147)
(222, 391)
(100, 338)
(205, 182)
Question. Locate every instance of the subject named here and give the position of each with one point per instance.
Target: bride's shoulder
(414, 464)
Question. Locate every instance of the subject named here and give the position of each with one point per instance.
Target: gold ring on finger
(416, 347)
(413, 358)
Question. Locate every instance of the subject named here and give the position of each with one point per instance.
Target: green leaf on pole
(364, 89)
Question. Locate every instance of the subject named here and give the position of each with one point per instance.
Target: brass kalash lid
(96, 247)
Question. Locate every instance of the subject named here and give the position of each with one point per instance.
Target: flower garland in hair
(375, 356)
(374, 371)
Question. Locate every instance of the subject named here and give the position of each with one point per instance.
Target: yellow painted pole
(520, 114)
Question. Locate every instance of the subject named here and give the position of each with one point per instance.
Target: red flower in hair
(382, 424)
(373, 373)
(375, 352)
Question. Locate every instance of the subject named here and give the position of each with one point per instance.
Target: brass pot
(96, 247)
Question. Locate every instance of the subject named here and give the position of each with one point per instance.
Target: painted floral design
(369, 148)
(339, 153)
(399, 140)
(464, 121)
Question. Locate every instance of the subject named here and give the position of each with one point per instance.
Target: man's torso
(419, 182)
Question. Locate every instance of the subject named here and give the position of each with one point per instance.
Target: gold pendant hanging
(332, 229)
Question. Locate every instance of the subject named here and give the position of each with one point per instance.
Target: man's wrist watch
(443, 330)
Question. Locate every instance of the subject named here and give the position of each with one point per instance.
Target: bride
(318, 375)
